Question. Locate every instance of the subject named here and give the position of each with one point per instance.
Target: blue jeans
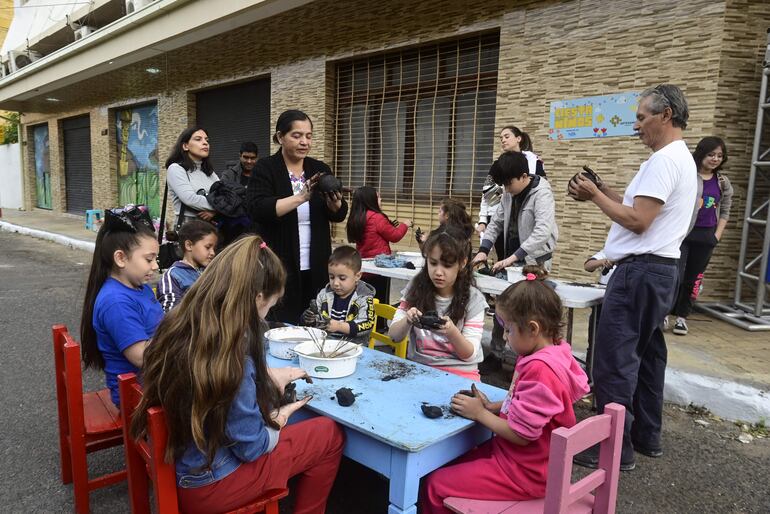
(630, 357)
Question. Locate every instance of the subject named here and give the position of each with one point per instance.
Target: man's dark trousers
(630, 357)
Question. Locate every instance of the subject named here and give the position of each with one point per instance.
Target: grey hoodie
(537, 228)
(360, 310)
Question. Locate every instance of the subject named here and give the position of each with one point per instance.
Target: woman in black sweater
(292, 217)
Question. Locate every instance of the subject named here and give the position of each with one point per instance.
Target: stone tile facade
(549, 50)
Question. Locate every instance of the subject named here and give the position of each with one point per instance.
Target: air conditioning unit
(17, 59)
(135, 5)
(83, 31)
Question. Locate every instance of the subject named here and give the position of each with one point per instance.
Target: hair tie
(263, 245)
(531, 276)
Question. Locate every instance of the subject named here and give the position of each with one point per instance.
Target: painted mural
(136, 129)
(42, 167)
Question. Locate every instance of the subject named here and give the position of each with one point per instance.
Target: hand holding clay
(501, 265)
(413, 316)
(478, 259)
(284, 376)
(581, 188)
(481, 396)
(446, 328)
(284, 412)
(467, 406)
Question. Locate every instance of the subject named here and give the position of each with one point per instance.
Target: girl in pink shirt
(547, 380)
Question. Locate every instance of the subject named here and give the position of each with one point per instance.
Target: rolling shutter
(232, 115)
(77, 164)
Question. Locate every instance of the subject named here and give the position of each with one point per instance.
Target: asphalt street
(705, 469)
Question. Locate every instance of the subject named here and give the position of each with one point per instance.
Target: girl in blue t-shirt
(120, 311)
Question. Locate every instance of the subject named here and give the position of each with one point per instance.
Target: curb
(78, 244)
(723, 398)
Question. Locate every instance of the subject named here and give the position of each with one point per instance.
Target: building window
(418, 124)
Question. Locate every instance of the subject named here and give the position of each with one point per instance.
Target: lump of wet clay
(289, 394)
(466, 392)
(345, 396)
(431, 411)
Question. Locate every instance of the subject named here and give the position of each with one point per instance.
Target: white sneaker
(680, 327)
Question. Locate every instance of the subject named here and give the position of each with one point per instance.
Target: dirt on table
(395, 369)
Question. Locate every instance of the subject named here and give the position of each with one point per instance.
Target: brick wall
(549, 51)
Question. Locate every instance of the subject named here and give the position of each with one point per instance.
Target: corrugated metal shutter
(232, 115)
(77, 164)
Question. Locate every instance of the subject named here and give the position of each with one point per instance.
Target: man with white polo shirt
(649, 223)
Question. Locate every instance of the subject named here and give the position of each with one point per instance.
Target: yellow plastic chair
(383, 310)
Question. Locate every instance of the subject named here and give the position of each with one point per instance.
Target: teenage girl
(120, 311)
(206, 367)
(372, 231)
(444, 285)
(547, 380)
(198, 241)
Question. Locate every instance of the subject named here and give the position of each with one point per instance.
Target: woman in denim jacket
(227, 428)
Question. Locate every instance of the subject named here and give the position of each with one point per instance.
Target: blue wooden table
(385, 428)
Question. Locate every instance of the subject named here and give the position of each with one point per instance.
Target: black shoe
(590, 459)
(491, 364)
(649, 452)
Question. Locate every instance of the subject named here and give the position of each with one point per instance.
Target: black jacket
(269, 183)
(228, 198)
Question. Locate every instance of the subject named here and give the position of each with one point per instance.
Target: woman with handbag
(292, 214)
(189, 176)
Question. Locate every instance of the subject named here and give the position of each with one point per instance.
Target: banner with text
(593, 117)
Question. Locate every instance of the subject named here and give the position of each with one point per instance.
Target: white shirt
(303, 220)
(669, 175)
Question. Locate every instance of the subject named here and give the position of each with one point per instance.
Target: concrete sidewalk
(717, 365)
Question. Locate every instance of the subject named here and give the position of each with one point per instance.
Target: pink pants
(311, 449)
(475, 475)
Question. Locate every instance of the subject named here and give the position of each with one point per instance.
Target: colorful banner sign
(593, 117)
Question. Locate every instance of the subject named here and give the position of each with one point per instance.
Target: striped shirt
(434, 349)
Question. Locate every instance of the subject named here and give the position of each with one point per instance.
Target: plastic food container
(514, 274)
(281, 341)
(342, 365)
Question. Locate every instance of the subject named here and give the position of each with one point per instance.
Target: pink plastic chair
(562, 496)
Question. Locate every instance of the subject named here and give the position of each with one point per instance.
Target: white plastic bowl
(281, 341)
(324, 367)
(514, 274)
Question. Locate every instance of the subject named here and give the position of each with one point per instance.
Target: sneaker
(655, 453)
(680, 327)
(590, 459)
(666, 324)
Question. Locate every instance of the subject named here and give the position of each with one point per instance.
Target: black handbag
(168, 252)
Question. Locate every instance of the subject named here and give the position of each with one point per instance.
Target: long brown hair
(457, 215)
(194, 366)
(533, 300)
(455, 248)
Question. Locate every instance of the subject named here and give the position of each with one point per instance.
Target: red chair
(88, 422)
(146, 457)
(562, 496)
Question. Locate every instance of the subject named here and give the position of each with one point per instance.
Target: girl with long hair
(452, 212)
(206, 367)
(120, 311)
(189, 176)
(372, 231)
(547, 381)
(444, 286)
(714, 203)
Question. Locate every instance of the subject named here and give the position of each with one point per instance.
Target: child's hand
(468, 407)
(481, 396)
(284, 376)
(448, 328)
(413, 315)
(282, 415)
